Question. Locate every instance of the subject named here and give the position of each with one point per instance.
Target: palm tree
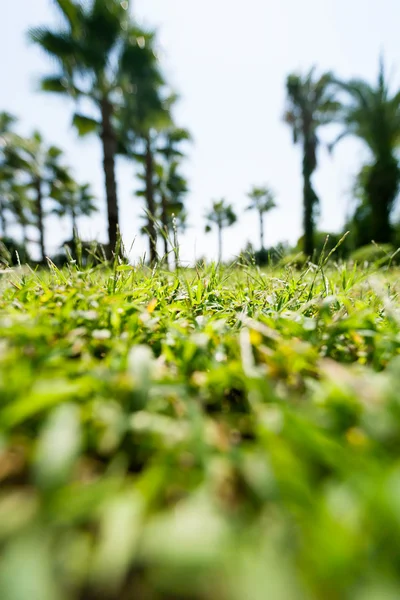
(6, 181)
(97, 52)
(73, 200)
(172, 188)
(262, 201)
(173, 185)
(372, 114)
(222, 215)
(145, 115)
(38, 167)
(311, 103)
(6, 174)
(21, 207)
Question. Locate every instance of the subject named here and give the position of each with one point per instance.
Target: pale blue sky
(229, 60)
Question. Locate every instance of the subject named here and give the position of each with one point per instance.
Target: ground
(221, 433)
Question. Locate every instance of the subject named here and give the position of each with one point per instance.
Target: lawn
(211, 434)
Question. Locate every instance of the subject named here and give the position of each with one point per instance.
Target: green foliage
(36, 175)
(85, 125)
(325, 242)
(12, 252)
(212, 433)
(374, 254)
(298, 260)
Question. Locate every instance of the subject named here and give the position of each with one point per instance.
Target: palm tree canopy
(35, 159)
(262, 199)
(311, 102)
(72, 197)
(372, 113)
(7, 120)
(173, 138)
(221, 214)
(91, 32)
(99, 54)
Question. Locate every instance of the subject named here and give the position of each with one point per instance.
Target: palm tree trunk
(3, 221)
(219, 243)
(381, 189)
(74, 224)
(151, 207)
(24, 235)
(381, 228)
(109, 142)
(40, 217)
(164, 221)
(309, 196)
(261, 215)
(308, 222)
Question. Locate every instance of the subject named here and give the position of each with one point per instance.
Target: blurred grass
(219, 433)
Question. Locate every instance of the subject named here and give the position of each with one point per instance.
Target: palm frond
(85, 125)
(59, 45)
(71, 11)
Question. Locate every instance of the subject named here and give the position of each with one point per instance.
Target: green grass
(229, 435)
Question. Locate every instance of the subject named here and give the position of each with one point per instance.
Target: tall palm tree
(97, 51)
(222, 216)
(372, 113)
(262, 200)
(311, 104)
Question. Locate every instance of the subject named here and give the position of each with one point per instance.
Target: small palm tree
(311, 104)
(38, 166)
(5, 184)
(22, 209)
(98, 53)
(372, 113)
(173, 185)
(222, 216)
(73, 200)
(262, 200)
(6, 174)
(145, 115)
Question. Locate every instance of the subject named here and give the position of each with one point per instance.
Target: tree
(222, 215)
(145, 115)
(98, 53)
(39, 167)
(173, 185)
(73, 200)
(311, 104)
(21, 207)
(372, 114)
(262, 201)
(6, 174)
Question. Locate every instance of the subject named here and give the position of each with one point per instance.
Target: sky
(228, 60)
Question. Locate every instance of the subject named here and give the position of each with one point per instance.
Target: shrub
(373, 253)
(9, 249)
(294, 259)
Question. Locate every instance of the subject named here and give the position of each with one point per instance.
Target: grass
(227, 434)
